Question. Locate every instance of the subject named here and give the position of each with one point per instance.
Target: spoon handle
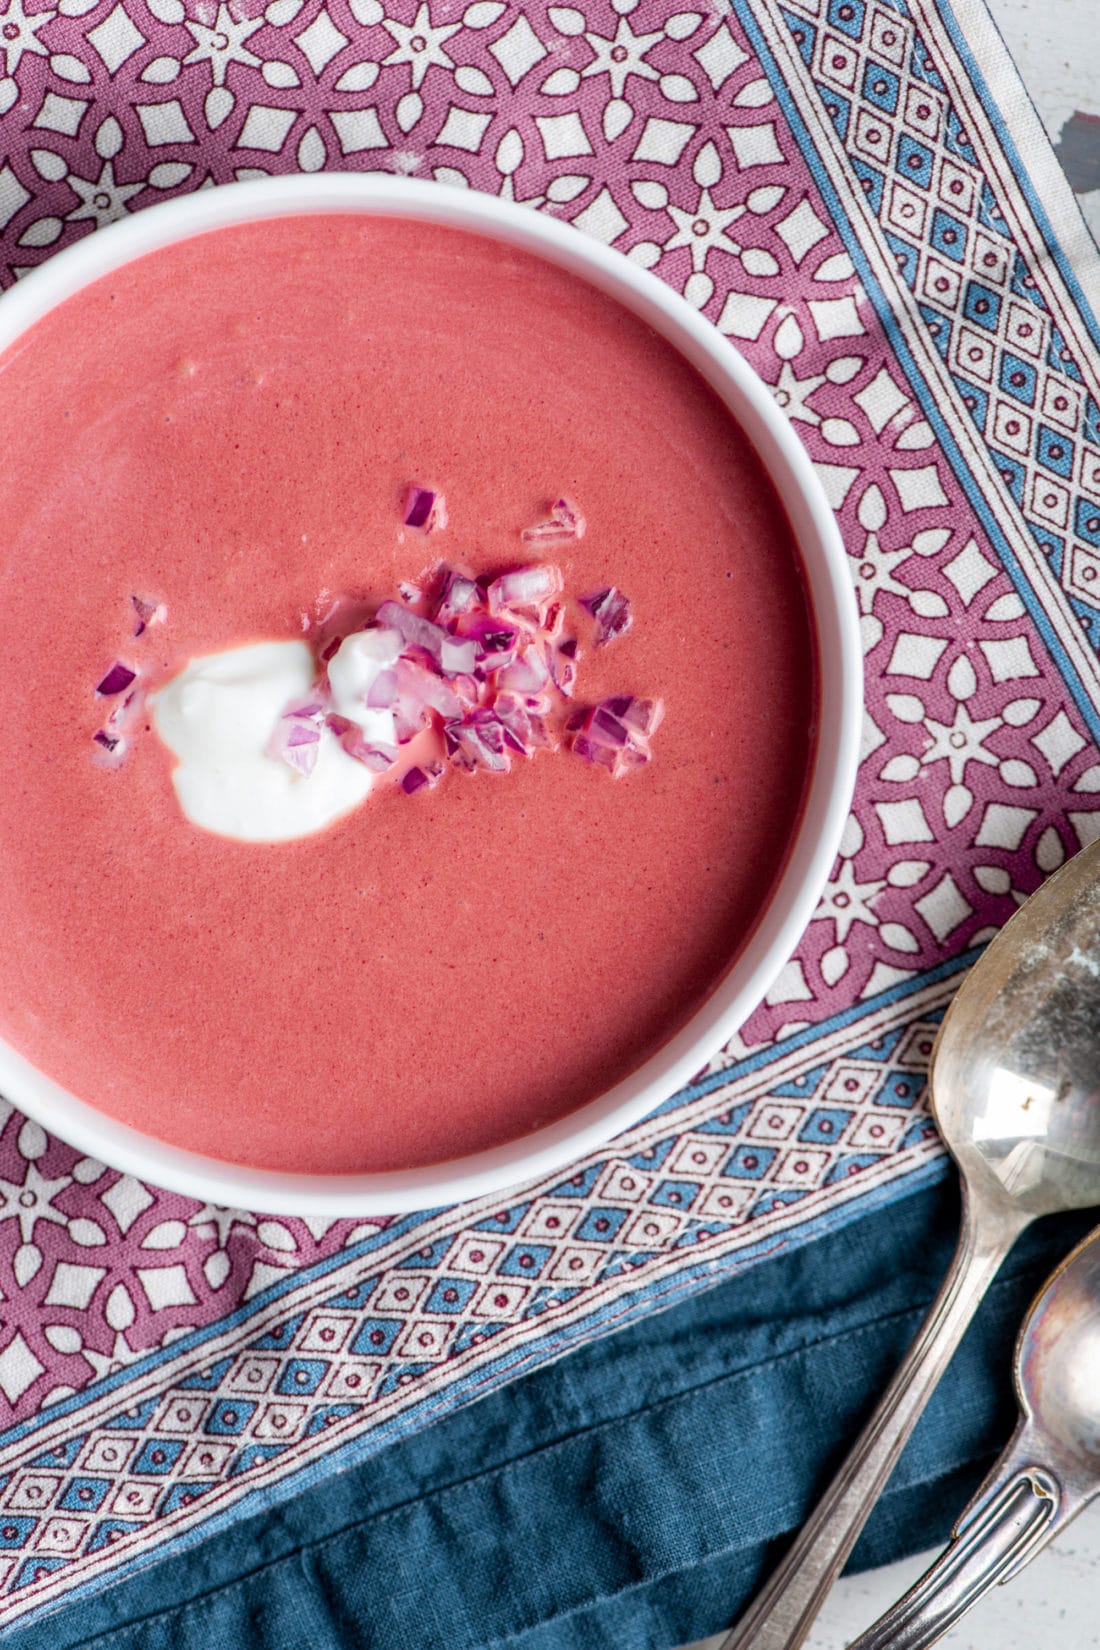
(1015, 1513)
(782, 1614)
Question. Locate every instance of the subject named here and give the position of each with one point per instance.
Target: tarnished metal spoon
(1047, 1475)
(1016, 1093)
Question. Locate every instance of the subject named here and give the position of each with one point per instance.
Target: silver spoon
(1014, 1091)
(1047, 1475)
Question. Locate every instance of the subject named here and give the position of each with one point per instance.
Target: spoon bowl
(1048, 1473)
(1058, 1362)
(1014, 1091)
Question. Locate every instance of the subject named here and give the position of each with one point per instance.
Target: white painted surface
(1055, 1603)
(1056, 47)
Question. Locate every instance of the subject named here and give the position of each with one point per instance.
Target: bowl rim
(839, 720)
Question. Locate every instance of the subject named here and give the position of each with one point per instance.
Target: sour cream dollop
(217, 716)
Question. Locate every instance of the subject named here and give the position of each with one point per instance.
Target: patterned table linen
(857, 193)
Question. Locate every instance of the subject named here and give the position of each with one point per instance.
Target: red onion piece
(525, 587)
(414, 629)
(615, 733)
(296, 739)
(605, 729)
(457, 595)
(468, 689)
(458, 658)
(523, 723)
(477, 744)
(563, 670)
(110, 748)
(382, 693)
(148, 613)
(566, 524)
(641, 715)
(600, 755)
(116, 681)
(611, 611)
(424, 509)
(373, 756)
(526, 674)
(417, 779)
(422, 686)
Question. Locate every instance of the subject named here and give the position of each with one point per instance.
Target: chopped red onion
(468, 689)
(642, 715)
(615, 733)
(563, 669)
(379, 642)
(526, 674)
(605, 729)
(524, 728)
(477, 742)
(148, 613)
(296, 739)
(611, 611)
(373, 756)
(496, 639)
(422, 686)
(601, 755)
(413, 628)
(116, 681)
(417, 779)
(382, 693)
(566, 524)
(424, 509)
(483, 663)
(110, 748)
(526, 587)
(458, 658)
(457, 595)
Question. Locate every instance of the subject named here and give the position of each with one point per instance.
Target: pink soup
(228, 425)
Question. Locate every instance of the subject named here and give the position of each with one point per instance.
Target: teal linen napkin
(629, 1497)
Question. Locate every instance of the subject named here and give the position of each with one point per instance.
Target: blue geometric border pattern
(423, 1315)
(934, 195)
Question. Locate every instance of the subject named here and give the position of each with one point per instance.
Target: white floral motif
(703, 230)
(102, 199)
(32, 1200)
(623, 56)
(847, 901)
(420, 44)
(223, 42)
(19, 34)
(960, 742)
(791, 392)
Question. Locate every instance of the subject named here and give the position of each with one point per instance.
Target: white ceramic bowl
(792, 904)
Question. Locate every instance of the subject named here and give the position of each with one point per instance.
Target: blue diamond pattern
(302, 1375)
(85, 1494)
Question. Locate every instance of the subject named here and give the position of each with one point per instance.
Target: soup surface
(228, 426)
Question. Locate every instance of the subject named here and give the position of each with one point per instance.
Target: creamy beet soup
(228, 426)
